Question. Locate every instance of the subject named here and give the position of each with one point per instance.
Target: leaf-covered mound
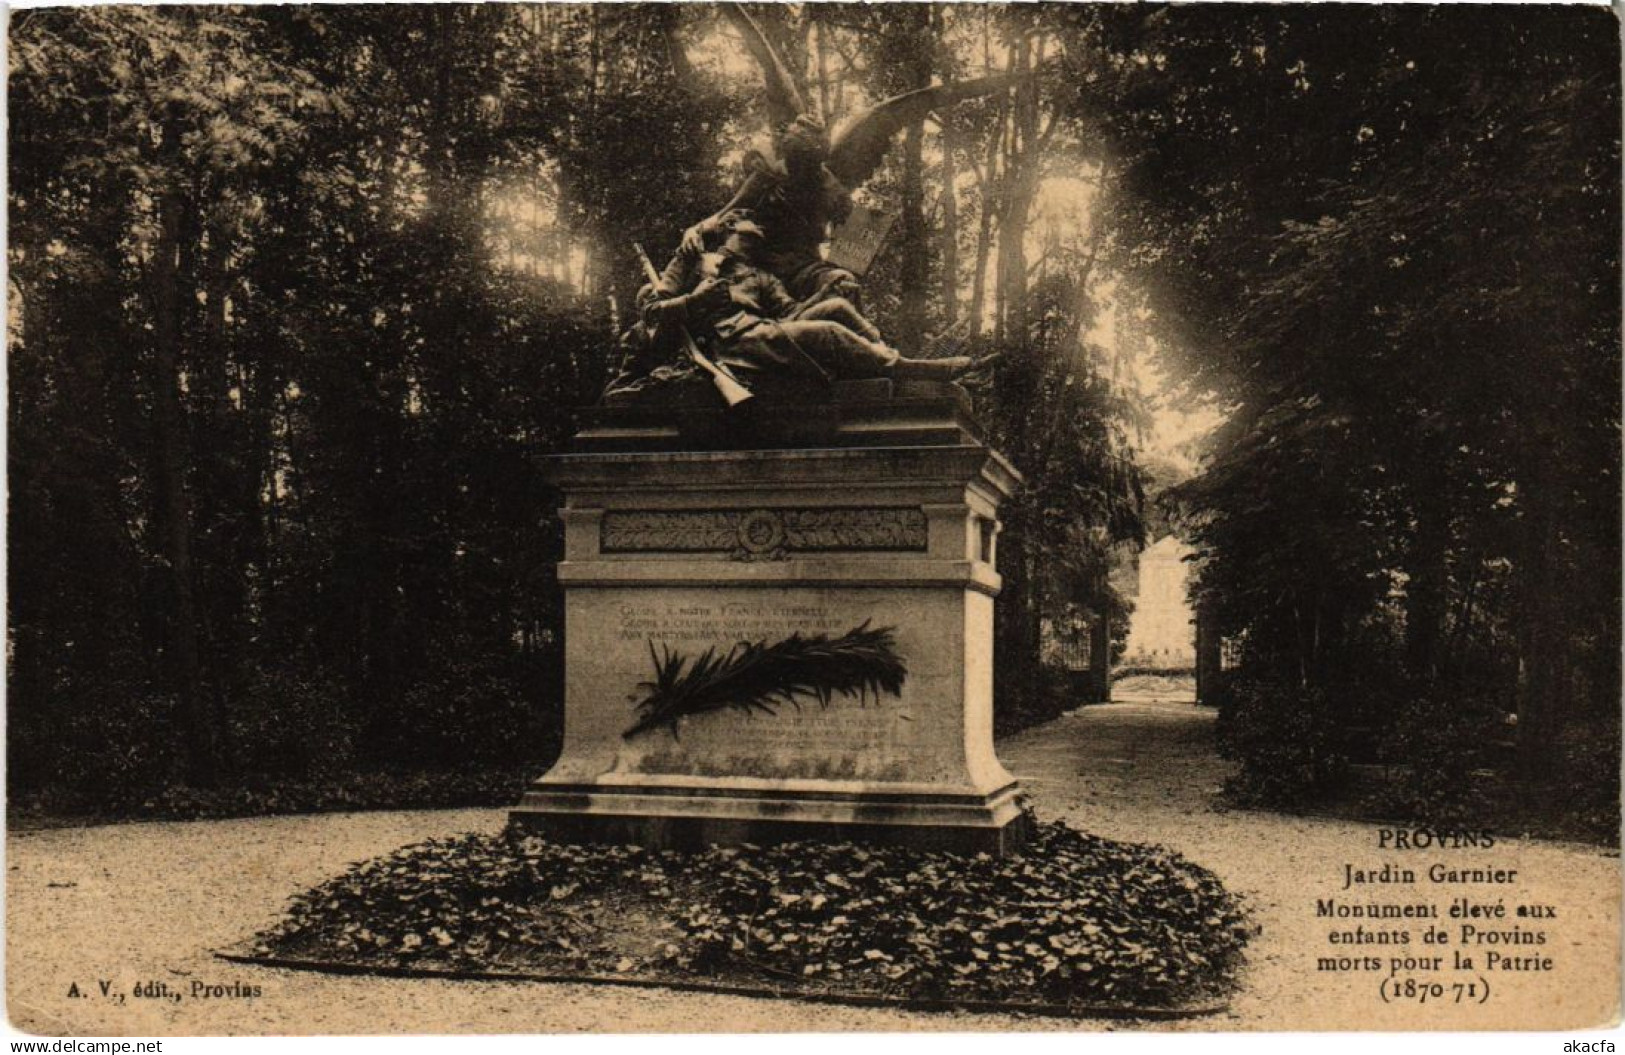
(1074, 920)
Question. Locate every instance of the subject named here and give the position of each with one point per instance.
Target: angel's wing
(857, 149)
(784, 100)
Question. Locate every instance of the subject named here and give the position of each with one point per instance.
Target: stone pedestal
(687, 551)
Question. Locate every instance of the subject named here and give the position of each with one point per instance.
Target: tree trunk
(787, 37)
(671, 22)
(984, 253)
(175, 507)
(230, 514)
(1017, 682)
(914, 272)
(1100, 658)
(1427, 589)
(822, 54)
(988, 183)
(1540, 681)
(948, 253)
(1019, 187)
(914, 239)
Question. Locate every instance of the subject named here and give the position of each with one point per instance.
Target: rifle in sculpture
(727, 385)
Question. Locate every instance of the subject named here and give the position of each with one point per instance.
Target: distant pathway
(146, 901)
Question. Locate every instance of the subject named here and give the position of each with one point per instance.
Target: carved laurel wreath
(763, 534)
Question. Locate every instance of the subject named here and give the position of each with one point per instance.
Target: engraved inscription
(762, 534)
(811, 729)
(723, 623)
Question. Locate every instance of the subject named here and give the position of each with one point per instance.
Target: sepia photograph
(812, 518)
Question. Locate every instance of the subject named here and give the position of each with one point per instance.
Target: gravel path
(145, 902)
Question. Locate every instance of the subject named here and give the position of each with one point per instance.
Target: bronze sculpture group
(749, 296)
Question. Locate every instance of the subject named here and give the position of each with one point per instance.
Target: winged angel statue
(750, 294)
(807, 184)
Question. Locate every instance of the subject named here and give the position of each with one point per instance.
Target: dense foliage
(277, 397)
(1074, 920)
(1386, 243)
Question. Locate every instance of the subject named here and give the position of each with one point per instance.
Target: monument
(780, 539)
(681, 561)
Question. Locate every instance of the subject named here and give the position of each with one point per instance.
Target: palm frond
(756, 677)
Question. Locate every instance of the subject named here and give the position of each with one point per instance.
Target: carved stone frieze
(763, 534)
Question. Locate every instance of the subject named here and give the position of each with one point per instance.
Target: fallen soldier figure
(753, 327)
